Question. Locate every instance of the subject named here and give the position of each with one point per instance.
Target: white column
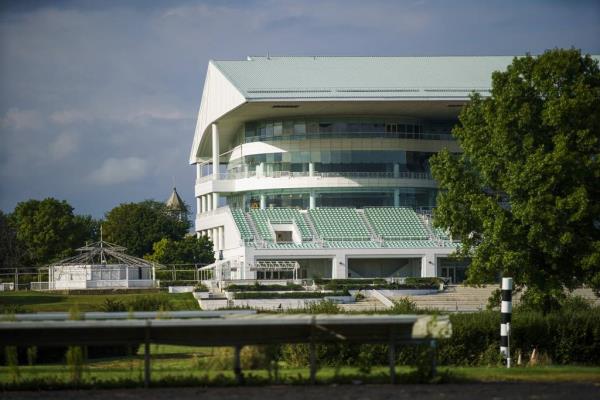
(263, 201)
(221, 238)
(198, 171)
(311, 169)
(261, 170)
(198, 205)
(209, 234)
(396, 197)
(312, 200)
(203, 203)
(215, 151)
(339, 269)
(217, 241)
(215, 201)
(428, 265)
(208, 202)
(396, 170)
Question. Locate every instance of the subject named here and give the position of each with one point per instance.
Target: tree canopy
(137, 226)
(11, 249)
(48, 230)
(190, 250)
(524, 196)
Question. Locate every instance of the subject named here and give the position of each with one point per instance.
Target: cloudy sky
(98, 99)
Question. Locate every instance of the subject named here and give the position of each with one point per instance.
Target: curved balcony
(250, 180)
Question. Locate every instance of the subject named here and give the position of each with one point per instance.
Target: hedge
(287, 295)
(565, 337)
(409, 283)
(263, 288)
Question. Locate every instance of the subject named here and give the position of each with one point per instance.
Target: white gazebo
(100, 265)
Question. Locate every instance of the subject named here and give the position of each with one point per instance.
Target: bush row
(564, 337)
(409, 283)
(287, 295)
(257, 287)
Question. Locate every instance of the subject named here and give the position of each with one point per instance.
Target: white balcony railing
(350, 175)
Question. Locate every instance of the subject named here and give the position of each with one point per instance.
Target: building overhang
(442, 108)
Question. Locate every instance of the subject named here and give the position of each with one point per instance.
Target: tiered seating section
(242, 224)
(262, 218)
(395, 227)
(339, 224)
(396, 223)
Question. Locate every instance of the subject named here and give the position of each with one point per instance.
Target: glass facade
(307, 146)
(354, 198)
(335, 161)
(303, 128)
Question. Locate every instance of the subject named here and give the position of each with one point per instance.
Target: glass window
(277, 128)
(250, 129)
(288, 127)
(312, 127)
(299, 128)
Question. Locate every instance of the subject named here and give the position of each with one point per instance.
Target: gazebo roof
(103, 253)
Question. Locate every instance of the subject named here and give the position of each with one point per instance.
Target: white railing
(293, 174)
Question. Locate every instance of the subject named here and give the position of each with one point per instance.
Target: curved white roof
(359, 77)
(231, 84)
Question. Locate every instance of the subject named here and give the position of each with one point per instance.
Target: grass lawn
(26, 301)
(185, 366)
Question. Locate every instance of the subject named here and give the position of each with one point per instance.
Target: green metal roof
(263, 78)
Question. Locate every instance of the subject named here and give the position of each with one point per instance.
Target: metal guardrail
(233, 330)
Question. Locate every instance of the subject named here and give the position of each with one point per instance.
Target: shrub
(361, 284)
(404, 306)
(111, 305)
(323, 307)
(150, 303)
(200, 288)
(257, 287)
(251, 357)
(286, 295)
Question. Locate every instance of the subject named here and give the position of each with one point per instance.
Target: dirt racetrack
(478, 391)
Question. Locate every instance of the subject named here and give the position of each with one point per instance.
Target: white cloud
(120, 170)
(18, 119)
(64, 145)
(66, 117)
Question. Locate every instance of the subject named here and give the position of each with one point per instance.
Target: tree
(524, 197)
(49, 230)
(189, 250)
(137, 226)
(11, 249)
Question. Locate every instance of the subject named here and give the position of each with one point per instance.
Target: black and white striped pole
(505, 316)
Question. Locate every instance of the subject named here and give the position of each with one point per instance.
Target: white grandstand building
(318, 166)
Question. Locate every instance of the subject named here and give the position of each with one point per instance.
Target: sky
(99, 99)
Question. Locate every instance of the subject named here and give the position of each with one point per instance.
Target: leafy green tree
(11, 249)
(189, 250)
(524, 197)
(137, 226)
(49, 230)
